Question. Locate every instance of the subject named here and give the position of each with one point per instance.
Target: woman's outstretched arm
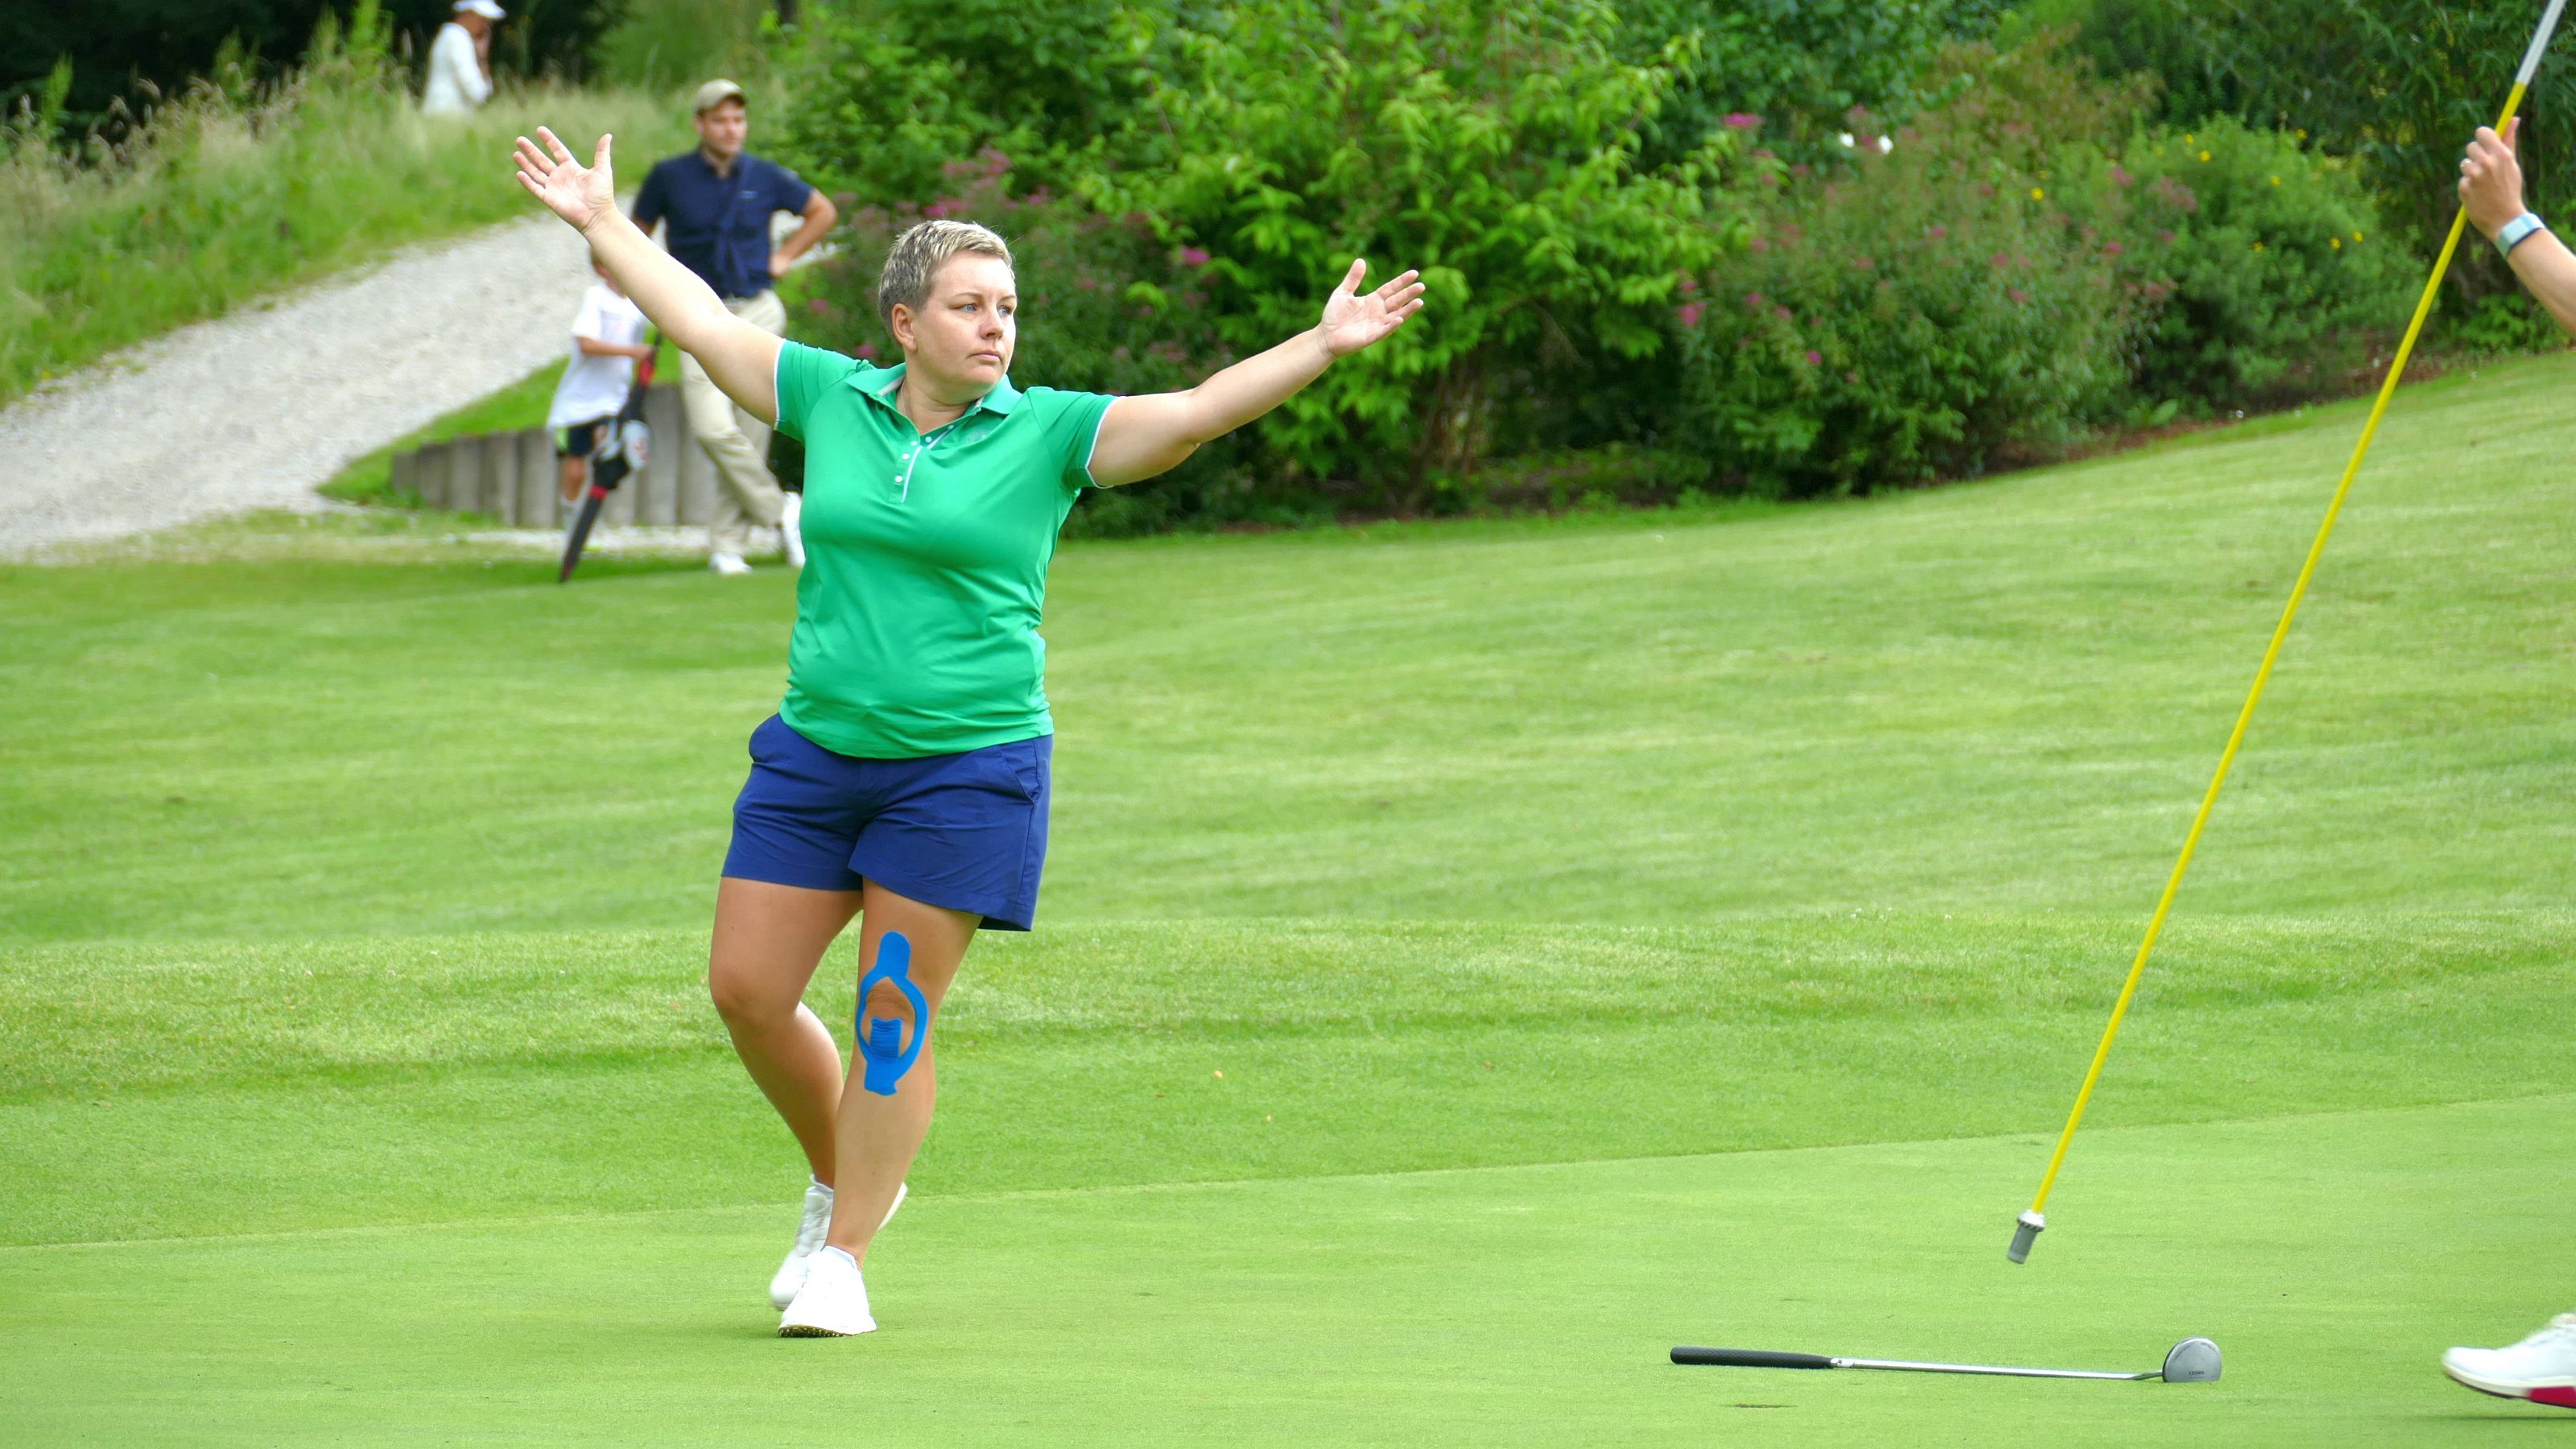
(741, 358)
(1152, 433)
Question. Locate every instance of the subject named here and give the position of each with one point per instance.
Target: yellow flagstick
(2026, 1228)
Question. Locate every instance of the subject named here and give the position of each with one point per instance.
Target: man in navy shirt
(715, 204)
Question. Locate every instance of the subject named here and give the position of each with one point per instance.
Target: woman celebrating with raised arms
(903, 780)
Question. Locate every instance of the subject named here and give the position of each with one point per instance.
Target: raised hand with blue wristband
(2491, 191)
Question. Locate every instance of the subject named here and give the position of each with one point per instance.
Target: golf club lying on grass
(2192, 1361)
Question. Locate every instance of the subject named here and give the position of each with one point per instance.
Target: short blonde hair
(916, 257)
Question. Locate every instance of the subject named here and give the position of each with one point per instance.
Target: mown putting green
(1609, 932)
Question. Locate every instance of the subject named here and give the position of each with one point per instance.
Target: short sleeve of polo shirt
(650, 201)
(804, 375)
(787, 190)
(1072, 429)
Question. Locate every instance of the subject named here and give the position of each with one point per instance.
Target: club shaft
(1996, 1370)
(2290, 612)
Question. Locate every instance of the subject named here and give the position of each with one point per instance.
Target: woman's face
(967, 328)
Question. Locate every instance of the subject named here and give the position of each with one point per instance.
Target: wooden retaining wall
(512, 475)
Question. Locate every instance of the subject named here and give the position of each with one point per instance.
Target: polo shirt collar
(882, 385)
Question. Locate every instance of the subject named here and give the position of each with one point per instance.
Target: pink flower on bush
(1783, 313)
(818, 306)
(1688, 284)
(2017, 294)
(1999, 260)
(1938, 232)
(1814, 357)
(1742, 120)
(2166, 237)
(2121, 176)
(1193, 257)
(1759, 244)
(867, 349)
(1689, 313)
(2113, 250)
(1753, 300)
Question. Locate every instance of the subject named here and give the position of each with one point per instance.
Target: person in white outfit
(607, 342)
(460, 60)
(2541, 1368)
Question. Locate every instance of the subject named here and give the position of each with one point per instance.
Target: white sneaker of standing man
(809, 1239)
(2541, 1368)
(728, 564)
(791, 534)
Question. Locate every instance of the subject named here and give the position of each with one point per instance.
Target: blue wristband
(2516, 232)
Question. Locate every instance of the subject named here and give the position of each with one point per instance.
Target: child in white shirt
(607, 342)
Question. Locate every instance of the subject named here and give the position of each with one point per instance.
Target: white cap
(484, 8)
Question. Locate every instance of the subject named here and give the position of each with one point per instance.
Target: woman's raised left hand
(1352, 321)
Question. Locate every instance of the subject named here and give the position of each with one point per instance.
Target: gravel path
(256, 409)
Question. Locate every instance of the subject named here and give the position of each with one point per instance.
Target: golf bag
(622, 445)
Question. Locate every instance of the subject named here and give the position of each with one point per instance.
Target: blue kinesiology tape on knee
(881, 1051)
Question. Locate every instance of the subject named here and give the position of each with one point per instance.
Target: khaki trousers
(736, 442)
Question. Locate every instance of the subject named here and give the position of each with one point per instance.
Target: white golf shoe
(832, 1304)
(791, 532)
(2541, 1368)
(809, 1237)
(728, 564)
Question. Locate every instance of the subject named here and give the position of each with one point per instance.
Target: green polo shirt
(925, 558)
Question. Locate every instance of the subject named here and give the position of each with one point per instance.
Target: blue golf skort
(965, 832)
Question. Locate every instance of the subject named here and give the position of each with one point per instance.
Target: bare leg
(768, 940)
(880, 1135)
(576, 471)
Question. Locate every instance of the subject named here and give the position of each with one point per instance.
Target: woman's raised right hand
(577, 193)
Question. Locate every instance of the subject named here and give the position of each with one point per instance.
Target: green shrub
(1923, 313)
(889, 92)
(1494, 148)
(1802, 66)
(2273, 276)
(1265, 145)
(2397, 85)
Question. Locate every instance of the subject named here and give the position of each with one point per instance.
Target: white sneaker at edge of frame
(832, 1304)
(809, 1239)
(728, 564)
(2541, 1368)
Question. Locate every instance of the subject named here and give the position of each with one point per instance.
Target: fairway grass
(1474, 958)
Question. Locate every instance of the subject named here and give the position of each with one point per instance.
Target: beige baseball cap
(715, 93)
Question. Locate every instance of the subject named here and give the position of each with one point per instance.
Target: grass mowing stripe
(85, 1020)
(1092, 1104)
(1517, 1306)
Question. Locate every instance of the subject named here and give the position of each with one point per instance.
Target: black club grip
(1750, 1358)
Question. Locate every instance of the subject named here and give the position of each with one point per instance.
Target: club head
(2192, 1361)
